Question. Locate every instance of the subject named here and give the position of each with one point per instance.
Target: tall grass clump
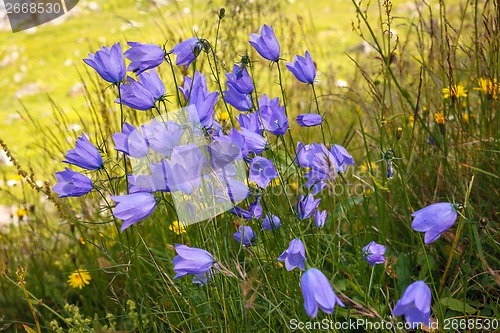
(218, 190)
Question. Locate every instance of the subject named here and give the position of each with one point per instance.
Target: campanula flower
(415, 304)
(142, 94)
(187, 51)
(256, 209)
(303, 68)
(271, 222)
(143, 56)
(196, 93)
(242, 102)
(306, 206)
(320, 218)
(191, 260)
(243, 213)
(373, 253)
(142, 183)
(237, 190)
(434, 220)
(273, 115)
(342, 156)
(71, 184)
(251, 121)
(223, 151)
(309, 119)
(132, 208)
(108, 63)
(262, 171)
(266, 43)
(240, 80)
(162, 137)
(184, 168)
(254, 143)
(246, 235)
(294, 256)
(131, 142)
(322, 163)
(85, 155)
(318, 293)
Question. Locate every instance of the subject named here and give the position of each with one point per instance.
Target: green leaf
(457, 305)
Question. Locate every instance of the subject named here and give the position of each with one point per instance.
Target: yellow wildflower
(21, 212)
(79, 278)
(455, 91)
(222, 116)
(439, 118)
(275, 182)
(365, 166)
(489, 87)
(177, 227)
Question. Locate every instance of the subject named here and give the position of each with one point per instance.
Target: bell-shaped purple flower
(254, 143)
(143, 56)
(373, 253)
(85, 155)
(309, 119)
(162, 137)
(342, 156)
(184, 168)
(318, 293)
(320, 218)
(242, 102)
(273, 115)
(255, 208)
(197, 94)
(191, 260)
(415, 304)
(303, 68)
(71, 184)
(223, 151)
(131, 142)
(143, 94)
(262, 171)
(251, 121)
(243, 213)
(306, 206)
(266, 43)
(246, 235)
(434, 220)
(294, 256)
(132, 208)
(240, 80)
(108, 63)
(271, 222)
(187, 51)
(142, 183)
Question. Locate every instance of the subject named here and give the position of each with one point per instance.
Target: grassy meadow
(408, 88)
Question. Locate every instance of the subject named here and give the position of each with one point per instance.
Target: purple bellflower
(303, 68)
(131, 142)
(71, 184)
(306, 206)
(246, 235)
(132, 208)
(262, 171)
(434, 220)
(318, 293)
(184, 168)
(373, 253)
(273, 115)
(241, 102)
(342, 156)
(108, 63)
(143, 56)
(240, 80)
(320, 218)
(143, 94)
(191, 260)
(266, 44)
(85, 155)
(309, 119)
(294, 256)
(271, 222)
(197, 94)
(187, 51)
(162, 137)
(415, 304)
(251, 121)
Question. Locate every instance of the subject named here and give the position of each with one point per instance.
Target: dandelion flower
(178, 228)
(455, 91)
(439, 118)
(79, 278)
(488, 87)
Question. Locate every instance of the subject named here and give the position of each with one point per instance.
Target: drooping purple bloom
(342, 156)
(434, 220)
(142, 94)
(242, 102)
(303, 68)
(71, 184)
(309, 119)
(271, 222)
(197, 94)
(306, 206)
(273, 115)
(415, 304)
(243, 213)
(246, 235)
(294, 256)
(305, 155)
(322, 163)
(191, 260)
(255, 208)
(131, 142)
(266, 43)
(184, 168)
(162, 137)
(320, 218)
(132, 208)
(143, 56)
(318, 293)
(85, 155)
(187, 51)
(108, 63)
(373, 253)
(262, 171)
(254, 143)
(223, 151)
(240, 80)
(237, 190)
(251, 121)
(142, 183)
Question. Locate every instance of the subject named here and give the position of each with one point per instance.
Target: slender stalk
(122, 121)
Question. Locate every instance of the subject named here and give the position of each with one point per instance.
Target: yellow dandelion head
(455, 91)
(489, 87)
(275, 182)
(21, 212)
(177, 227)
(79, 279)
(222, 116)
(439, 118)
